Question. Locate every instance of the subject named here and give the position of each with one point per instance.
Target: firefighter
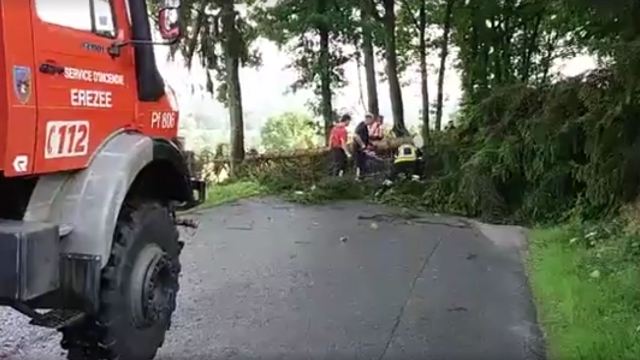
(362, 145)
(407, 161)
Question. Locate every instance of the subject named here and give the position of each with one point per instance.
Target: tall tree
(416, 12)
(444, 52)
(323, 28)
(232, 50)
(503, 42)
(215, 31)
(388, 18)
(367, 25)
(312, 30)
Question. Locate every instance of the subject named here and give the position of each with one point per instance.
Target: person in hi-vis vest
(408, 161)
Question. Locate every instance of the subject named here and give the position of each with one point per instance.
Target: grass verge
(330, 189)
(587, 288)
(219, 194)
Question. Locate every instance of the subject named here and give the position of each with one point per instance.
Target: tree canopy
(289, 131)
(494, 44)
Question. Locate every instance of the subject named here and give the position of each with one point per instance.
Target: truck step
(56, 319)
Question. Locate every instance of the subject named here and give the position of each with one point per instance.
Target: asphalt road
(265, 279)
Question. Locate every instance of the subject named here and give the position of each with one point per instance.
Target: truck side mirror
(169, 20)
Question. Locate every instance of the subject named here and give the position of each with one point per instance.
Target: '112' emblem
(66, 139)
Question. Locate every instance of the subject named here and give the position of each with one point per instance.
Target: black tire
(138, 289)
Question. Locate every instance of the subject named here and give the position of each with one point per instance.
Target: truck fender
(89, 201)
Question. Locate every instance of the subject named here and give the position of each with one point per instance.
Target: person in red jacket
(338, 146)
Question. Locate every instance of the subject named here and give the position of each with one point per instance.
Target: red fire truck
(91, 173)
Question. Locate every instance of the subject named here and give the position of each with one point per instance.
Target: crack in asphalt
(392, 218)
(411, 289)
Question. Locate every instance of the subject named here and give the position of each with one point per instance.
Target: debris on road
(408, 218)
(245, 227)
(188, 223)
(458, 309)
(388, 217)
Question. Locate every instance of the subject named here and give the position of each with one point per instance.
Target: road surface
(263, 279)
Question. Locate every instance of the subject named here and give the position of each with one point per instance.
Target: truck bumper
(29, 260)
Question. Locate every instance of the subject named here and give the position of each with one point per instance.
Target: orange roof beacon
(91, 173)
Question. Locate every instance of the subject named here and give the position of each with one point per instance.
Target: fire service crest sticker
(22, 83)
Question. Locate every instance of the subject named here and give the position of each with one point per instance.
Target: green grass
(587, 289)
(219, 194)
(324, 191)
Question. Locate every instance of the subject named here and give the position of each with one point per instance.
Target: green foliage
(285, 173)
(508, 41)
(585, 284)
(205, 36)
(409, 27)
(290, 131)
(296, 24)
(539, 154)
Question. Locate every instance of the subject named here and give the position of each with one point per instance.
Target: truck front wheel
(138, 289)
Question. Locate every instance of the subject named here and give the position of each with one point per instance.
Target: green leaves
(295, 26)
(205, 35)
(290, 131)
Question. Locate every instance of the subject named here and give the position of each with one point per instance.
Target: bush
(540, 154)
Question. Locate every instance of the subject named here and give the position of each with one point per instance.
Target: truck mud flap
(199, 197)
(29, 260)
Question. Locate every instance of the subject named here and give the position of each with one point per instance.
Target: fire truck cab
(91, 173)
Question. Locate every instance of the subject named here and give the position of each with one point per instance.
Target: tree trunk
(423, 71)
(234, 94)
(325, 82)
(550, 47)
(443, 62)
(395, 91)
(369, 58)
(325, 72)
(193, 42)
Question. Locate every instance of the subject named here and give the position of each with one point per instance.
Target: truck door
(83, 94)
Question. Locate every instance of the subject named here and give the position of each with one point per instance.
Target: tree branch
(191, 47)
(413, 16)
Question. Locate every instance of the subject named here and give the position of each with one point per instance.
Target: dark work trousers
(407, 168)
(361, 162)
(338, 161)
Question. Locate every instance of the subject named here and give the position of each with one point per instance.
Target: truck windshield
(94, 15)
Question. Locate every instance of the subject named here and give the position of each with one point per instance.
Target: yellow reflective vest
(406, 153)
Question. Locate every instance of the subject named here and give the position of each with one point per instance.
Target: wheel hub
(153, 288)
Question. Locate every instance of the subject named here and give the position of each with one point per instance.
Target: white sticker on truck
(91, 98)
(66, 139)
(93, 76)
(21, 163)
(163, 120)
